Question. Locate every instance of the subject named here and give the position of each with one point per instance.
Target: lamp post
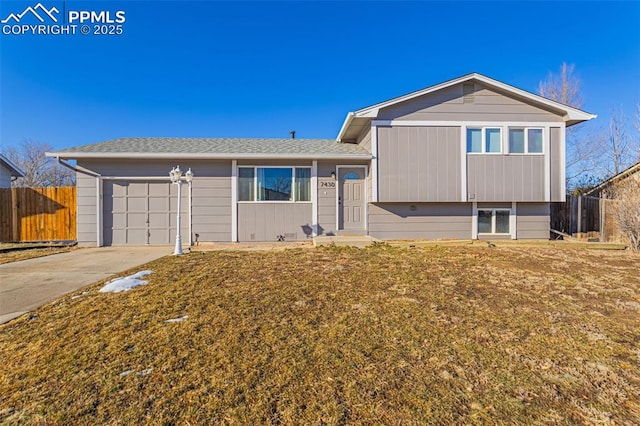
(176, 177)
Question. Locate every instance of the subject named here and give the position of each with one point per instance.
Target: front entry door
(351, 198)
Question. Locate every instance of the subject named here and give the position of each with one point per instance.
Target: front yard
(381, 335)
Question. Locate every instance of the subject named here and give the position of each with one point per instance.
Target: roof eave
(16, 171)
(195, 156)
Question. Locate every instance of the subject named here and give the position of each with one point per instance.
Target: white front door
(351, 198)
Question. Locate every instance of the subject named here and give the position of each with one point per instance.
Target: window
(303, 184)
(484, 140)
(474, 140)
(274, 184)
(245, 184)
(535, 141)
(493, 140)
(525, 141)
(493, 221)
(516, 141)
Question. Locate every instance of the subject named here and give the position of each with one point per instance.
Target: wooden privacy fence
(37, 214)
(579, 215)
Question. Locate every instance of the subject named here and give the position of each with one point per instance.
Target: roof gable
(569, 114)
(13, 169)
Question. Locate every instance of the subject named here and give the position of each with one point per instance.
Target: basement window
(493, 221)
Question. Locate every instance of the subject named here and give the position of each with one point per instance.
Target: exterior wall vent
(468, 90)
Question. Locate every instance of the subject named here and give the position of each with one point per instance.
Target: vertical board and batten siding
(264, 221)
(484, 104)
(419, 164)
(211, 202)
(420, 221)
(557, 176)
(533, 221)
(327, 219)
(38, 214)
(505, 177)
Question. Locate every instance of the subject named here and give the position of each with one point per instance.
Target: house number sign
(327, 184)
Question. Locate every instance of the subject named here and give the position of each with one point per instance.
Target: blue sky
(260, 69)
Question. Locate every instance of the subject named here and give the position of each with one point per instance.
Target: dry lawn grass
(458, 335)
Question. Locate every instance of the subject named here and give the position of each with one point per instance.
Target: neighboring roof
(216, 148)
(571, 115)
(622, 175)
(14, 170)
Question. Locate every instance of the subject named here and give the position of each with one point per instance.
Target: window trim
(493, 211)
(255, 184)
(483, 139)
(525, 129)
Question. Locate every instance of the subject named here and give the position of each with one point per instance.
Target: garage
(142, 212)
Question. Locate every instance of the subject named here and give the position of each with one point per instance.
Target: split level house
(470, 158)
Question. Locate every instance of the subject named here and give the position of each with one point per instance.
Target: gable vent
(468, 90)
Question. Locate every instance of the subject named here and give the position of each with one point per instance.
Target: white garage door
(139, 213)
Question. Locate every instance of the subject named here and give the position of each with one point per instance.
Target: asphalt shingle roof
(211, 147)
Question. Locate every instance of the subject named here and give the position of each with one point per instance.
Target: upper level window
(484, 140)
(525, 141)
(274, 184)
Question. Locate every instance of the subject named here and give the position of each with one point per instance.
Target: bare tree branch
(39, 169)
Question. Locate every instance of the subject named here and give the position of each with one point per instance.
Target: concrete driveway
(28, 284)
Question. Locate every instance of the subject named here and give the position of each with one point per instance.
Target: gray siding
(86, 210)
(5, 177)
(364, 140)
(414, 221)
(484, 105)
(533, 221)
(419, 164)
(557, 175)
(505, 177)
(211, 200)
(265, 221)
(326, 199)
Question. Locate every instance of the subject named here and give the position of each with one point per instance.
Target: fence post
(15, 232)
(579, 230)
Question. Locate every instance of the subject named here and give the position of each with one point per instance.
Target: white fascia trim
(374, 164)
(546, 149)
(570, 112)
(234, 201)
(474, 220)
(563, 163)
(458, 123)
(196, 156)
(345, 126)
(513, 221)
(464, 190)
(99, 211)
(314, 198)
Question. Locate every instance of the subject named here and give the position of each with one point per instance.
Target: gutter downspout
(75, 169)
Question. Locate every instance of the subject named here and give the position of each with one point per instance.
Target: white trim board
(234, 201)
(456, 123)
